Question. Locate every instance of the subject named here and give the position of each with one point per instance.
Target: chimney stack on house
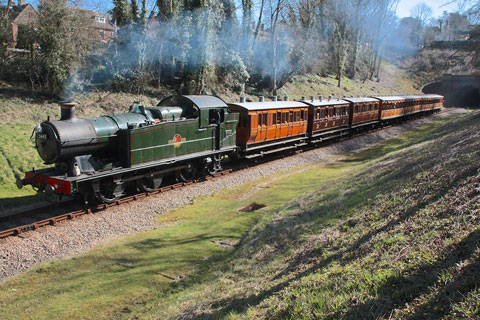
(21, 2)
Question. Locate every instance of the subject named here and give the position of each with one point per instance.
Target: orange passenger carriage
(391, 107)
(435, 102)
(267, 124)
(327, 116)
(364, 111)
(415, 104)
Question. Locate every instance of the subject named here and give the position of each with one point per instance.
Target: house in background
(99, 27)
(20, 14)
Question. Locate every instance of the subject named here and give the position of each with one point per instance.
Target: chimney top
(67, 110)
(21, 2)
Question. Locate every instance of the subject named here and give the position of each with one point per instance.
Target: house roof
(14, 11)
(89, 16)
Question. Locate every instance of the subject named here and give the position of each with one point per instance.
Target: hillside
(20, 112)
(390, 232)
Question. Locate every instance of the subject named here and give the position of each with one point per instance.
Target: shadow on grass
(398, 291)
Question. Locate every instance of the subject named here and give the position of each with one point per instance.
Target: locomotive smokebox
(67, 110)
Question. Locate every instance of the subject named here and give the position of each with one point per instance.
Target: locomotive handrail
(90, 139)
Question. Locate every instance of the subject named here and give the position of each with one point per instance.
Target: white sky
(403, 9)
(438, 6)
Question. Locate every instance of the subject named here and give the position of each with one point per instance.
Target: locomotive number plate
(42, 136)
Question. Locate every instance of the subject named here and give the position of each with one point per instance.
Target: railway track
(38, 218)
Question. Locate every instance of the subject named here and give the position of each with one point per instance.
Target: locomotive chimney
(67, 111)
(285, 98)
(242, 99)
(261, 98)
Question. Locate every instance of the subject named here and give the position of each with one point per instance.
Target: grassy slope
(392, 231)
(21, 112)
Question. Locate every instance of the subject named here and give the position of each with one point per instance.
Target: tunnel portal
(458, 90)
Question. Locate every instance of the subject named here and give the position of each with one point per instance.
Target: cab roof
(201, 102)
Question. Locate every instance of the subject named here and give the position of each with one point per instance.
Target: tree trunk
(259, 24)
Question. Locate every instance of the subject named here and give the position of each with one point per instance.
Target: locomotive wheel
(215, 166)
(149, 184)
(188, 173)
(109, 191)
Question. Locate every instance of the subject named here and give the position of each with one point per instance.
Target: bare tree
(276, 6)
(422, 12)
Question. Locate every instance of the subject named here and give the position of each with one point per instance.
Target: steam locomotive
(183, 136)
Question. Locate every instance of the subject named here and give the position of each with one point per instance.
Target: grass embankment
(391, 232)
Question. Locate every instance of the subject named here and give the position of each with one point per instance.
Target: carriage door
(216, 118)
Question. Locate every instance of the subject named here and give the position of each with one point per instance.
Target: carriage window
(339, 112)
(279, 117)
(291, 116)
(364, 108)
(369, 107)
(259, 119)
(265, 115)
(274, 118)
(298, 115)
(357, 109)
(284, 117)
(330, 112)
(301, 115)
